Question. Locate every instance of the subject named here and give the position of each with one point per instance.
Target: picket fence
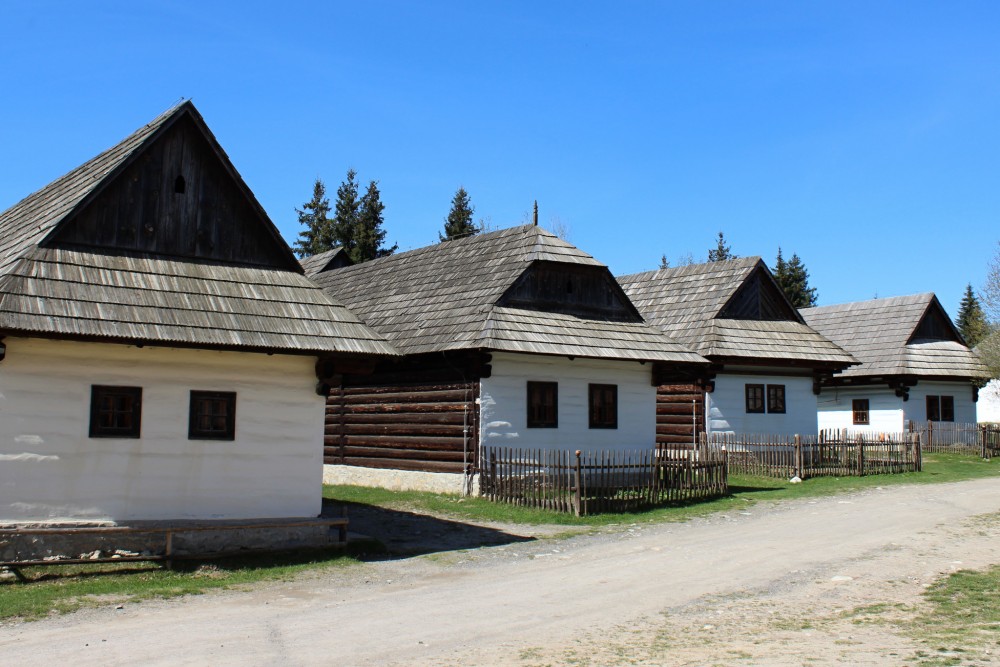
(592, 482)
(834, 453)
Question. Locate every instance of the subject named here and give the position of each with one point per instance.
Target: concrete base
(401, 480)
(234, 539)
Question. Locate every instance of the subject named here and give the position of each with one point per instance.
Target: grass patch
(744, 490)
(962, 619)
(64, 588)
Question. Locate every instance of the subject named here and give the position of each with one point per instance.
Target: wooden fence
(604, 481)
(830, 454)
(958, 437)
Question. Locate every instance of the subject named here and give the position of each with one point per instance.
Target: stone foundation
(401, 480)
(233, 540)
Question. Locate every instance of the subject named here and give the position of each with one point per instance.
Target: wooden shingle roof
(445, 297)
(324, 261)
(884, 335)
(689, 304)
(104, 293)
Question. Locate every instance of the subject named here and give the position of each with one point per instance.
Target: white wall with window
(598, 404)
(752, 404)
(837, 409)
(933, 399)
(144, 461)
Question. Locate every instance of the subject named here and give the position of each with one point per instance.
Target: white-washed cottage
(512, 338)
(767, 363)
(159, 343)
(914, 365)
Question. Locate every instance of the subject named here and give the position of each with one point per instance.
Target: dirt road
(780, 584)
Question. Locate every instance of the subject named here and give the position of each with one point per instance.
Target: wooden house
(914, 365)
(511, 338)
(767, 363)
(324, 261)
(159, 343)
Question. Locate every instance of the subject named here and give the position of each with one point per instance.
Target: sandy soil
(818, 582)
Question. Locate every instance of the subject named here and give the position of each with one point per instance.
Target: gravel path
(776, 584)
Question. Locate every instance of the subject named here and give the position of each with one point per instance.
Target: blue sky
(862, 136)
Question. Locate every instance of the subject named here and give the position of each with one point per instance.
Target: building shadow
(400, 534)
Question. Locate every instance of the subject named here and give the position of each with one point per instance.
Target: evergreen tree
(368, 233)
(721, 252)
(317, 235)
(664, 262)
(345, 214)
(793, 279)
(971, 318)
(459, 222)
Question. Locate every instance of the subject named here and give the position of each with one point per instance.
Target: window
(859, 407)
(213, 415)
(776, 398)
(543, 404)
(940, 408)
(603, 405)
(115, 412)
(755, 398)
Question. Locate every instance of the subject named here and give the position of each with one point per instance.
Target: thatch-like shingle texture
(685, 302)
(878, 332)
(107, 294)
(444, 296)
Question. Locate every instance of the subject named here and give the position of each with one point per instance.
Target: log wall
(673, 413)
(392, 419)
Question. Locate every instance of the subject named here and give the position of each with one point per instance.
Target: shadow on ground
(409, 534)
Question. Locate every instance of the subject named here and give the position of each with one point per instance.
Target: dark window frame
(861, 415)
(602, 406)
(203, 406)
(125, 416)
(755, 394)
(540, 414)
(940, 408)
(776, 404)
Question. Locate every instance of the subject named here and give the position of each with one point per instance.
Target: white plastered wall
(725, 407)
(988, 407)
(916, 408)
(51, 470)
(885, 409)
(504, 399)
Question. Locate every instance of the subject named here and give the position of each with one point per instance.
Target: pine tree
(317, 235)
(721, 252)
(368, 234)
(971, 320)
(345, 214)
(664, 262)
(459, 224)
(793, 279)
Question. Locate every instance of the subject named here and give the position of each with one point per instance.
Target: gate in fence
(958, 437)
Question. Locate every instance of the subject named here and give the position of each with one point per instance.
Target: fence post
(799, 468)
(861, 455)
(579, 490)
(918, 452)
(930, 434)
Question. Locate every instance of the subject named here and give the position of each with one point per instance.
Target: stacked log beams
(674, 405)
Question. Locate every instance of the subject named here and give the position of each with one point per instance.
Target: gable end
(935, 325)
(588, 292)
(759, 298)
(178, 197)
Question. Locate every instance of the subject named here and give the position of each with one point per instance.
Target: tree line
(357, 222)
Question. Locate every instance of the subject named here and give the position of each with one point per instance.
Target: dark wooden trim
(133, 394)
(196, 404)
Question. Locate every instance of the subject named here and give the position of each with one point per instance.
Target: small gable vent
(180, 185)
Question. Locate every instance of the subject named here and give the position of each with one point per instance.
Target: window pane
(212, 415)
(860, 409)
(543, 405)
(603, 405)
(115, 412)
(933, 409)
(755, 398)
(947, 408)
(776, 398)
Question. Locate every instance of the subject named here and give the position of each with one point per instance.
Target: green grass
(64, 588)
(744, 490)
(962, 619)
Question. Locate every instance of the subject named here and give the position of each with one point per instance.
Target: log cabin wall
(419, 414)
(674, 406)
